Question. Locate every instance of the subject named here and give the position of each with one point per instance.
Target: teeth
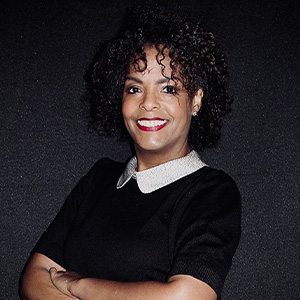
(151, 123)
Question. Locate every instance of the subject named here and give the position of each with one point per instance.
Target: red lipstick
(153, 124)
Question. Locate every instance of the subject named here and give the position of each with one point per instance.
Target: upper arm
(73, 210)
(208, 232)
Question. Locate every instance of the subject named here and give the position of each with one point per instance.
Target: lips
(153, 124)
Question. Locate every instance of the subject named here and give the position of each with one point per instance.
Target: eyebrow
(159, 81)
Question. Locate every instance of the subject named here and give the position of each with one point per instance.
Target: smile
(151, 124)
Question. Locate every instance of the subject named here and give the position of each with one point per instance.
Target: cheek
(181, 111)
(126, 108)
(128, 112)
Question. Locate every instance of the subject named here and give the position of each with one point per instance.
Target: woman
(164, 225)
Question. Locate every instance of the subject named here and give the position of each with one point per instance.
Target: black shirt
(191, 226)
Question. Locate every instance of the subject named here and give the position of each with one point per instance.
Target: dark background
(45, 145)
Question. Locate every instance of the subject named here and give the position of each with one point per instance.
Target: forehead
(155, 61)
(152, 54)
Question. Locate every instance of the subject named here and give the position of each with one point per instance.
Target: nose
(150, 101)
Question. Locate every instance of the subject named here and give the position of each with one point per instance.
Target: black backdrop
(45, 146)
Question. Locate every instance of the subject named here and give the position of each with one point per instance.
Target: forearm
(90, 288)
(178, 289)
(37, 284)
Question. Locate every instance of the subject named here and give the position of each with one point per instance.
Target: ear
(197, 101)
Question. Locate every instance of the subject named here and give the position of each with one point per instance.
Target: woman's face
(157, 112)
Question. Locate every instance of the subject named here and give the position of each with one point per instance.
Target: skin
(147, 97)
(36, 281)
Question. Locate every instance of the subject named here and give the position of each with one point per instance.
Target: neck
(148, 159)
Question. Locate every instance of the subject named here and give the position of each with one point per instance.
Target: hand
(63, 280)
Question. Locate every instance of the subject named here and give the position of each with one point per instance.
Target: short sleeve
(208, 231)
(52, 241)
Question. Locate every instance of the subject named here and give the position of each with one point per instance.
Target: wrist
(87, 288)
(76, 287)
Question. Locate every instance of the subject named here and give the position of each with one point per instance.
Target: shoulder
(106, 166)
(104, 170)
(209, 178)
(212, 189)
(220, 179)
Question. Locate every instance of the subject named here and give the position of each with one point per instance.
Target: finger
(52, 271)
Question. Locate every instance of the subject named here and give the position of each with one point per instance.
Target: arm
(179, 287)
(36, 282)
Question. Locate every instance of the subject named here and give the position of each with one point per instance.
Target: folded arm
(36, 281)
(71, 285)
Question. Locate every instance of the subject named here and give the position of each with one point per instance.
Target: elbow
(23, 294)
(24, 290)
(28, 283)
(25, 286)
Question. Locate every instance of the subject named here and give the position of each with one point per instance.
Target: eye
(170, 89)
(133, 90)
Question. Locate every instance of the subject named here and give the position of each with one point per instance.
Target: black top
(191, 226)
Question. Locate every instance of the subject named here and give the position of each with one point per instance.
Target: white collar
(157, 177)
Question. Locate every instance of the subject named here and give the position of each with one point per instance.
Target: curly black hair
(195, 59)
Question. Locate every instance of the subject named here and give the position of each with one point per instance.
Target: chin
(150, 147)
